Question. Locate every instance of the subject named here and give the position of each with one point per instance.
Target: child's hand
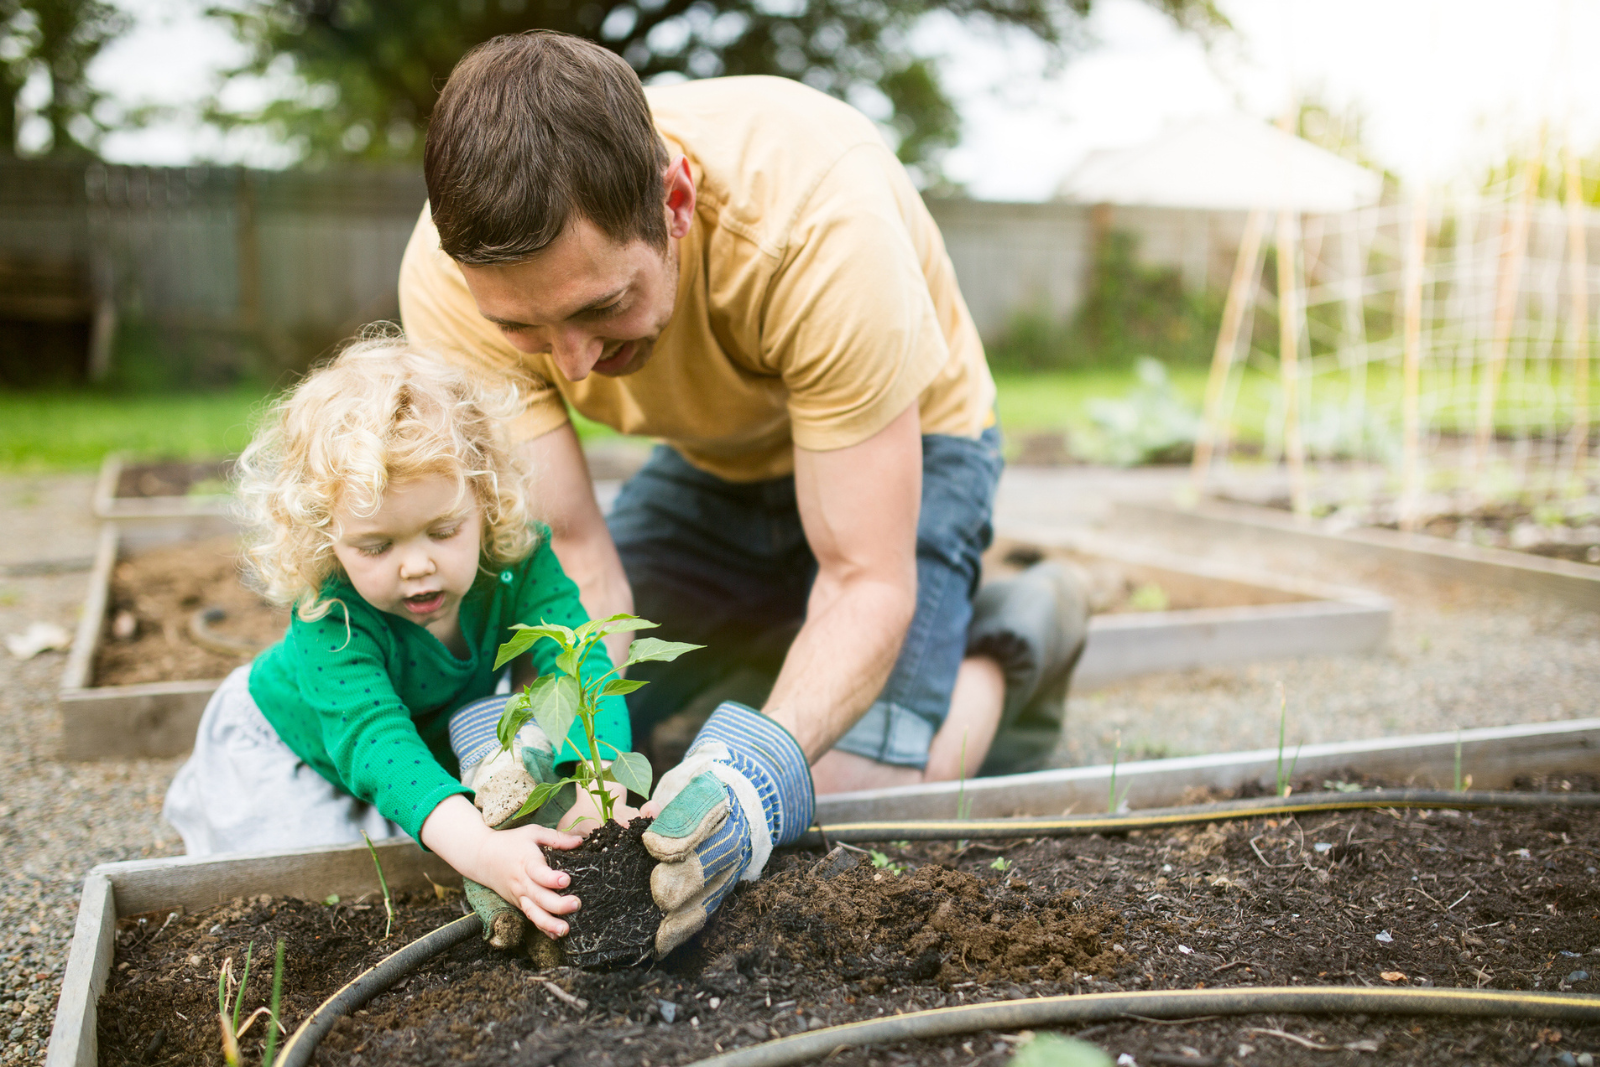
(508, 862)
(513, 865)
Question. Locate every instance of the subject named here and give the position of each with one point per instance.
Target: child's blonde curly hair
(379, 414)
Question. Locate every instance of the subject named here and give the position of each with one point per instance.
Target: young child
(390, 513)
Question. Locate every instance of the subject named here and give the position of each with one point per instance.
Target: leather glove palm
(743, 789)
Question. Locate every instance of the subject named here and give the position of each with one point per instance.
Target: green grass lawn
(74, 431)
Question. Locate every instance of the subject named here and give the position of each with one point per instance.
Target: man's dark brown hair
(532, 129)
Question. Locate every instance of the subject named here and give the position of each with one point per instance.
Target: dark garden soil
(1570, 531)
(611, 874)
(174, 477)
(1497, 900)
(150, 632)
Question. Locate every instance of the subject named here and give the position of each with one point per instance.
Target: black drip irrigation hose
(297, 1052)
(1085, 1008)
(1159, 1004)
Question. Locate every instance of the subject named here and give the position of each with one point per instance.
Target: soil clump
(611, 875)
(1491, 899)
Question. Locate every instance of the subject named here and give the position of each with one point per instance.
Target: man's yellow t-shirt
(815, 297)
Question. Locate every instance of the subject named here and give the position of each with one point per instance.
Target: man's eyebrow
(596, 303)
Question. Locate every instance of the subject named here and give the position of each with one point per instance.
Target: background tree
(367, 72)
(57, 40)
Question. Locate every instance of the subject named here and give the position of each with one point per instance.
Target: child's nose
(416, 563)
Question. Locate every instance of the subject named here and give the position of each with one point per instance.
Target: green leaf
(541, 793)
(520, 642)
(615, 625)
(554, 700)
(653, 650)
(633, 771)
(567, 662)
(511, 719)
(621, 686)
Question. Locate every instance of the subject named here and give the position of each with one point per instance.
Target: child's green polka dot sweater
(368, 705)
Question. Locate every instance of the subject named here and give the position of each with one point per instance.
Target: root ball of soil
(611, 875)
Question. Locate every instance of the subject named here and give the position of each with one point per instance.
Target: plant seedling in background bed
(1285, 781)
(884, 863)
(554, 700)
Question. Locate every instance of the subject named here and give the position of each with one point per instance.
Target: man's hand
(742, 790)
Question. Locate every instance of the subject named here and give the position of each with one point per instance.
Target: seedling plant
(230, 1002)
(557, 699)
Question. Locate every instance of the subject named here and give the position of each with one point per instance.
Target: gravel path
(1458, 657)
(57, 819)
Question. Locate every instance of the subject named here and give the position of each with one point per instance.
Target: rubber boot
(1035, 626)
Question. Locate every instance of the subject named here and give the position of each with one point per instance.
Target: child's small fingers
(548, 924)
(544, 835)
(650, 809)
(549, 877)
(551, 903)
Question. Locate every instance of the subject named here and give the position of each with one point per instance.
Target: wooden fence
(286, 263)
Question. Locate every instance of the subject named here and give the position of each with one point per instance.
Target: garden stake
(388, 902)
(1459, 789)
(1111, 790)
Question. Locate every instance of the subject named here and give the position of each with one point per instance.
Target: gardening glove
(502, 779)
(743, 788)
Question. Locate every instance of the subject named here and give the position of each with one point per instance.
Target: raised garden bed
(1574, 583)
(131, 489)
(1377, 898)
(146, 657)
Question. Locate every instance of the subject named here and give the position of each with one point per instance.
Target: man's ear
(678, 184)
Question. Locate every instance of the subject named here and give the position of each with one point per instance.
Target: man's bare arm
(859, 506)
(563, 496)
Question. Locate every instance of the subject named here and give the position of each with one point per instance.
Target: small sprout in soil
(1000, 864)
(884, 863)
(1462, 784)
(1285, 781)
(388, 901)
(555, 700)
(331, 899)
(1341, 786)
(1049, 1050)
(1113, 802)
(274, 1026)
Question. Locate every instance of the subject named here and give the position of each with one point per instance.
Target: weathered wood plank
(1574, 583)
(73, 1041)
(86, 642)
(1494, 757)
(192, 883)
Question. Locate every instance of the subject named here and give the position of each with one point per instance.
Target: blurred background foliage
(52, 42)
(360, 76)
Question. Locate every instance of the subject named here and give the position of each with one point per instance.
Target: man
(741, 268)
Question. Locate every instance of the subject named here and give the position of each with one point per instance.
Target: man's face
(591, 303)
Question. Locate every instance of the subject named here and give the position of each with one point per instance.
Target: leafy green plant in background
(1151, 424)
(556, 699)
(1130, 310)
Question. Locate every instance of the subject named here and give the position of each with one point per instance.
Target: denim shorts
(726, 565)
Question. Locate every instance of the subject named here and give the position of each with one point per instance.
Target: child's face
(417, 555)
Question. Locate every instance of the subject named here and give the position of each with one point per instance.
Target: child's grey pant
(244, 790)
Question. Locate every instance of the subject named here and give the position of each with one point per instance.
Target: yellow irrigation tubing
(1158, 1004)
(1153, 818)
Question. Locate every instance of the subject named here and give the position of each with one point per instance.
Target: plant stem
(388, 902)
(238, 1000)
(1283, 719)
(1111, 793)
(586, 713)
(270, 1052)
